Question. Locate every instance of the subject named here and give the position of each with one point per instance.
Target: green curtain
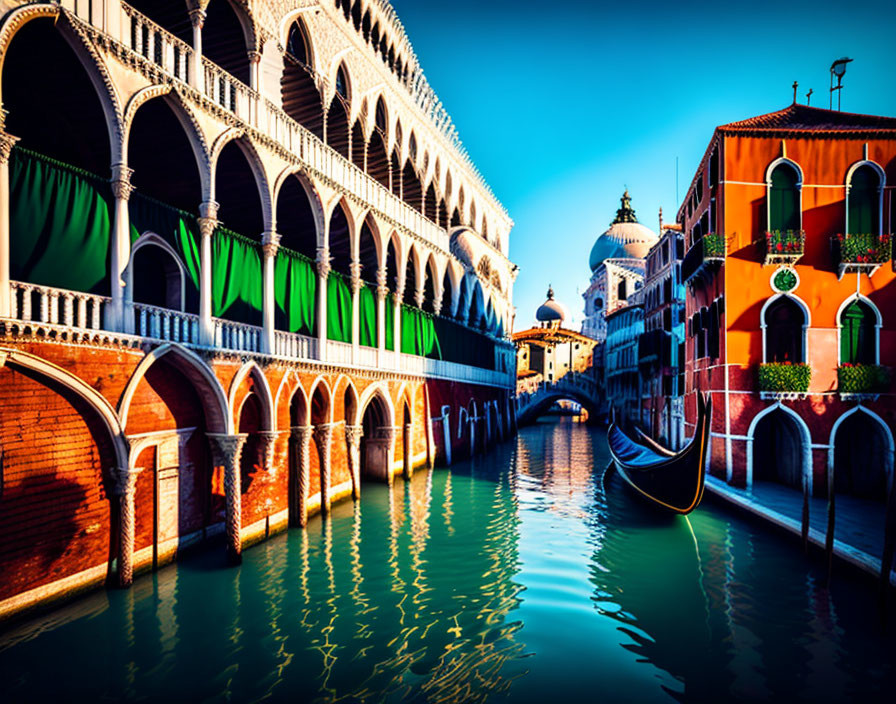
(784, 199)
(367, 313)
(177, 228)
(339, 308)
(390, 323)
(418, 333)
(237, 287)
(60, 224)
(857, 334)
(864, 209)
(295, 285)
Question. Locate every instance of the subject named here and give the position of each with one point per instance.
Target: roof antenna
(809, 96)
(795, 86)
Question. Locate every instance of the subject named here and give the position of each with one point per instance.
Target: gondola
(673, 480)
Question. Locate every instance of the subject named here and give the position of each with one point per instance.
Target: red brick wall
(54, 513)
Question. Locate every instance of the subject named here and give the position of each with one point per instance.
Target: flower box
(784, 246)
(704, 256)
(784, 377)
(857, 253)
(862, 378)
(713, 246)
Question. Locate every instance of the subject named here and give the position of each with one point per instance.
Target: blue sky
(564, 104)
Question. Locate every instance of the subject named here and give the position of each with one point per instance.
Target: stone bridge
(578, 387)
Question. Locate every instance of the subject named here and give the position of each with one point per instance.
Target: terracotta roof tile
(802, 118)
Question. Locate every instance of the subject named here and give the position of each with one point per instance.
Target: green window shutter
(864, 202)
(390, 324)
(784, 200)
(858, 331)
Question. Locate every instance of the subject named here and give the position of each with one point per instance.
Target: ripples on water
(520, 576)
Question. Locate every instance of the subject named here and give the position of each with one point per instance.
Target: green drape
(237, 287)
(367, 314)
(784, 200)
(295, 284)
(390, 323)
(60, 224)
(857, 334)
(418, 333)
(863, 217)
(339, 308)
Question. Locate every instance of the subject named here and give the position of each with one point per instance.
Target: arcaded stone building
(245, 262)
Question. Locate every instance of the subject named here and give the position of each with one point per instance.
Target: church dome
(626, 238)
(551, 311)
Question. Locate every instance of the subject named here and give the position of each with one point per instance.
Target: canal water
(521, 576)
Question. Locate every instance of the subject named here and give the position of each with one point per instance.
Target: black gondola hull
(673, 481)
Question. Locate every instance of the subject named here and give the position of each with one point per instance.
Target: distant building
(791, 302)
(548, 352)
(661, 346)
(617, 268)
(623, 382)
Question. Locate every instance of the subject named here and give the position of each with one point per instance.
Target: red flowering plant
(862, 378)
(863, 248)
(785, 241)
(784, 377)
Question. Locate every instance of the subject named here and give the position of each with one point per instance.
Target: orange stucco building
(791, 300)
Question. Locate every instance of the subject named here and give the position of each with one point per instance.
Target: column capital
(254, 56)
(270, 243)
(267, 441)
(124, 480)
(301, 433)
(322, 434)
(353, 435)
(323, 262)
(121, 181)
(7, 142)
(226, 448)
(197, 17)
(355, 275)
(387, 432)
(382, 287)
(209, 209)
(437, 303)
(418, 296)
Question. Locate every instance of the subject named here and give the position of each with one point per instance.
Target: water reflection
(518, 576)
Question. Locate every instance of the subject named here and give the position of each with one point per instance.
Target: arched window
(863, 199)
(858, 334)
(621, 290)
(784, 199)
(784, 327)
(341, 83)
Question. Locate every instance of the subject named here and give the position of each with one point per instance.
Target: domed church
(617, 267)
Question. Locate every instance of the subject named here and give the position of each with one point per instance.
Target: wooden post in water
(829, 538)
(805, 527)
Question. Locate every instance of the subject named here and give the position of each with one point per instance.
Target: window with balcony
(863, 197)
(784, 199)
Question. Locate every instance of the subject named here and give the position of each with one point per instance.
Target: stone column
(208, 221)
(255, 85)
(382, 290)
(446, 432)
(407, 451)
(323, 272)
(124, 487)
(298, 499)
(353, 435)
(388, 434)
(120, 247)
(418, 295)
(437, 303)
(322, 435)
(355, 282)
(396, 303)
(226, 450)
(197, 19)
(270, 243)
(7, 142)
(267, 441)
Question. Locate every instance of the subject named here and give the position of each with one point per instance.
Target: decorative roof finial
(550, 293)
(626, 213)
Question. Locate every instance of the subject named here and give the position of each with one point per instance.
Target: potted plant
(862, 378)
(784, 377)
